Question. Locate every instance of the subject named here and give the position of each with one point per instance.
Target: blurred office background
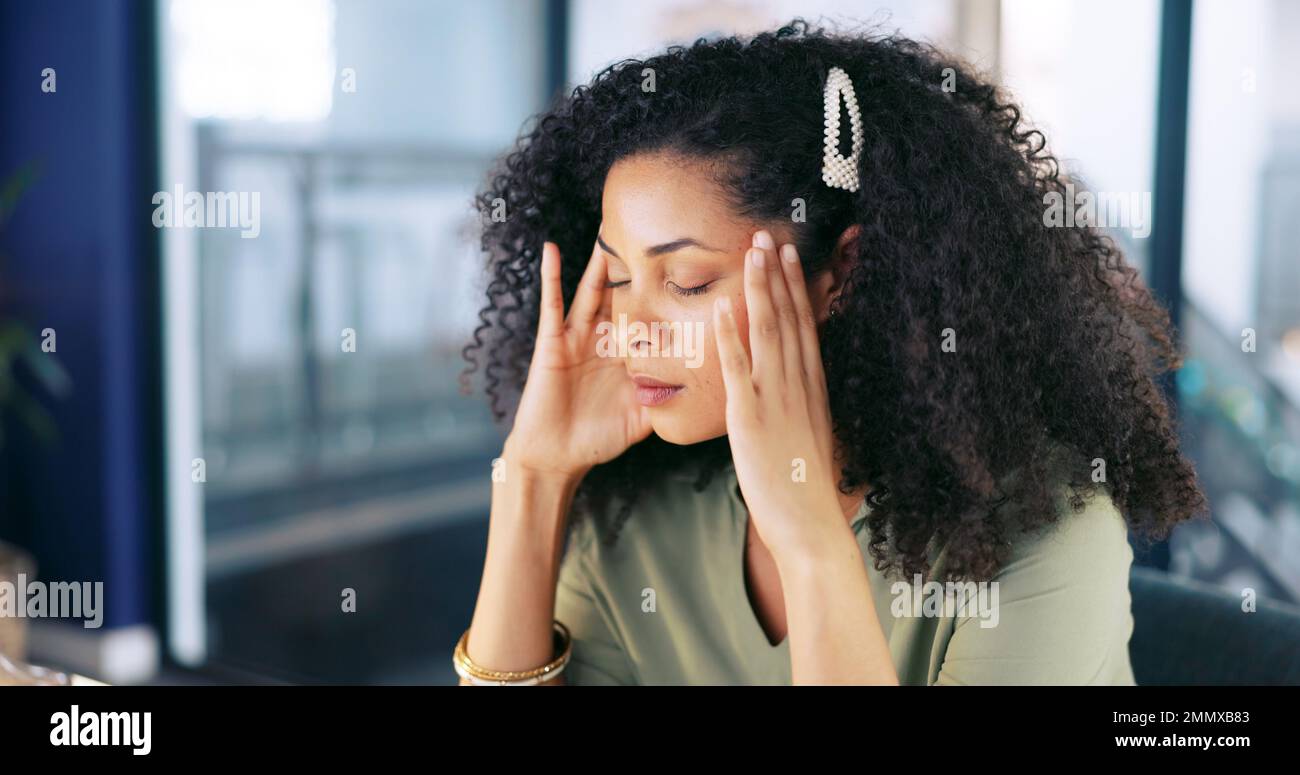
(366, 126)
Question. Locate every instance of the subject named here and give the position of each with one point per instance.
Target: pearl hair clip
(837, 170)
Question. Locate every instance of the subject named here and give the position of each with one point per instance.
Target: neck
(851, 502)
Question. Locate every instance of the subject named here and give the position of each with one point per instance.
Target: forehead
(650, 199)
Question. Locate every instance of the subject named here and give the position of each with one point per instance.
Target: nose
(644, 332)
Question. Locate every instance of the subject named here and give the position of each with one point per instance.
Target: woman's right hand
(578, 407)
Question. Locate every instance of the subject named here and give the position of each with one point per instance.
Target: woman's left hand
(778, 415)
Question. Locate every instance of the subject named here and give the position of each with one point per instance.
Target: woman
(905, 377)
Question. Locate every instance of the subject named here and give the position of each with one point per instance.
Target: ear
(826, 287)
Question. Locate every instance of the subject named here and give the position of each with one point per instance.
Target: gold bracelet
(479, 675)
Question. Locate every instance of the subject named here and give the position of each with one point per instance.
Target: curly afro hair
(1058, 345)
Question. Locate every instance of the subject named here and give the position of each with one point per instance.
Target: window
(1240, 390)
(317, 439)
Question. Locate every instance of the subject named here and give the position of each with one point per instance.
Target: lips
(652, 392)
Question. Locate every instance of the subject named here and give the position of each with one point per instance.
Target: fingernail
(763, 240)
(757, 257)
(724, 304)
(789, 254)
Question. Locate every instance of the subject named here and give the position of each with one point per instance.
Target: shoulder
(671, 527)
(661, 521)
(1058, 611)
(1075, 567)
(1090, 542)
(602, 584)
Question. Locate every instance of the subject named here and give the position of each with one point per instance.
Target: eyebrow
(659, 250)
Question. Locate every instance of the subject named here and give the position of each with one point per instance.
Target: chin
(681, 430)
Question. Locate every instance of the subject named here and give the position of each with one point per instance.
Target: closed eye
(697, 290)
(677, 289)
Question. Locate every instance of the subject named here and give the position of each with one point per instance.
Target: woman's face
(673, 246)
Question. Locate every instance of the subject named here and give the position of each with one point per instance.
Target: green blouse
(666, 604)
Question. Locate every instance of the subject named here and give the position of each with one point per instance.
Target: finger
(809, 346)
(791, 361)
(731, 351)
(764, 330)
(591, 291)
(550, 321)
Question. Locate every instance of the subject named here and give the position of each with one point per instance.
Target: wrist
(818, 545)
(541, 472)
(531, 504)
